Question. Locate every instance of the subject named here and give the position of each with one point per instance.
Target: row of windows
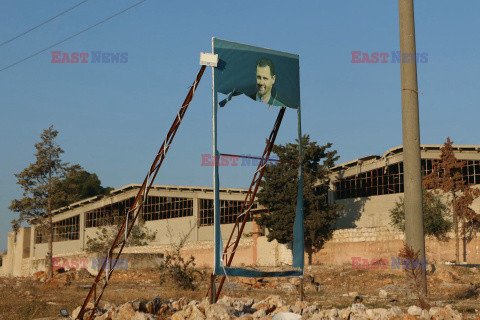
(229, 210)
(109, 214)
(63, 230)
(389, 180)
(155, 208)
(471, 172)
(159, 208)
(380, 181)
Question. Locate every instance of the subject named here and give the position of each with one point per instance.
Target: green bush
(435, 215)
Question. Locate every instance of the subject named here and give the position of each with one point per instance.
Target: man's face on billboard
(265, 82)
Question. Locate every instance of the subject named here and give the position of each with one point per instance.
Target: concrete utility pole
(414, 232)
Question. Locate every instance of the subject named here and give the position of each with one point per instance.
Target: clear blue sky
(113, 117)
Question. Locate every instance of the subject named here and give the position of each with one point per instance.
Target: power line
(72, 36)
(41, 24)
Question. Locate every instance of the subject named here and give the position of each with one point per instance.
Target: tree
(279, 194)
(446, 177)
(37, 182)
(435, 215)
(78, 184)
(47, 184)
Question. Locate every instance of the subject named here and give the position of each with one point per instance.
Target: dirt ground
(326, 286)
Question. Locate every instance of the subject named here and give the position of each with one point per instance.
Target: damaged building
(367, 188)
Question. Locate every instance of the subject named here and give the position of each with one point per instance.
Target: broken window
(63, 230)
(385, 180)
(41, 234)
(107, 215)
(229, 210)
(389, 179)
(471, 171)
(426, 167)
(67, 229)
(159, 208)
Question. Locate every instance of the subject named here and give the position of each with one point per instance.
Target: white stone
(358, 311)
(434, 311)
(396, 311)
(424, 315)
(125, 312)
(382, 293)
(333, 314)
(275, 300)
(196, 314)
(219, 311)
(142, 316)
(259, 313)
(76, 312)
(370, 314)
(381, 313)
(286, 316)
(287, 287)
(414, 311)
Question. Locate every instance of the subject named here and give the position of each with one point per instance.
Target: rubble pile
(271, 308)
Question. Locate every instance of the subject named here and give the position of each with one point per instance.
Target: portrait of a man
(265, 75)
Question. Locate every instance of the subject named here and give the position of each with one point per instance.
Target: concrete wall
(172, 230)
(273, 253)
(18, 253)
(92, 262)
(374, 211)
(366, 212)
(385, 243)
(59, 247)
(360, 243)
(3, 268)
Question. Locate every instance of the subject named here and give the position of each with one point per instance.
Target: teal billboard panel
(264, 75)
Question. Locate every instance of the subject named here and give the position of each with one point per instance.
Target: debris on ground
(271, 308)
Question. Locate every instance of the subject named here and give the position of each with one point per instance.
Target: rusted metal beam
(230, 248)
(137, 204)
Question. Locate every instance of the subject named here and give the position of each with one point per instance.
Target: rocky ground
(271, 308)
(330, 292)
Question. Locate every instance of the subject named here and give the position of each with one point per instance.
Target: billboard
(270, 77)
(261, 74)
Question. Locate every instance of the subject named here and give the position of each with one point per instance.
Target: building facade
(171, 212)
(368, 187)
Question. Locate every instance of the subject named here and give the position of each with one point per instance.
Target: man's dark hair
(263, 62)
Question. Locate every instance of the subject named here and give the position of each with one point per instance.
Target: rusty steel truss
(136, 207)
(231, 247)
